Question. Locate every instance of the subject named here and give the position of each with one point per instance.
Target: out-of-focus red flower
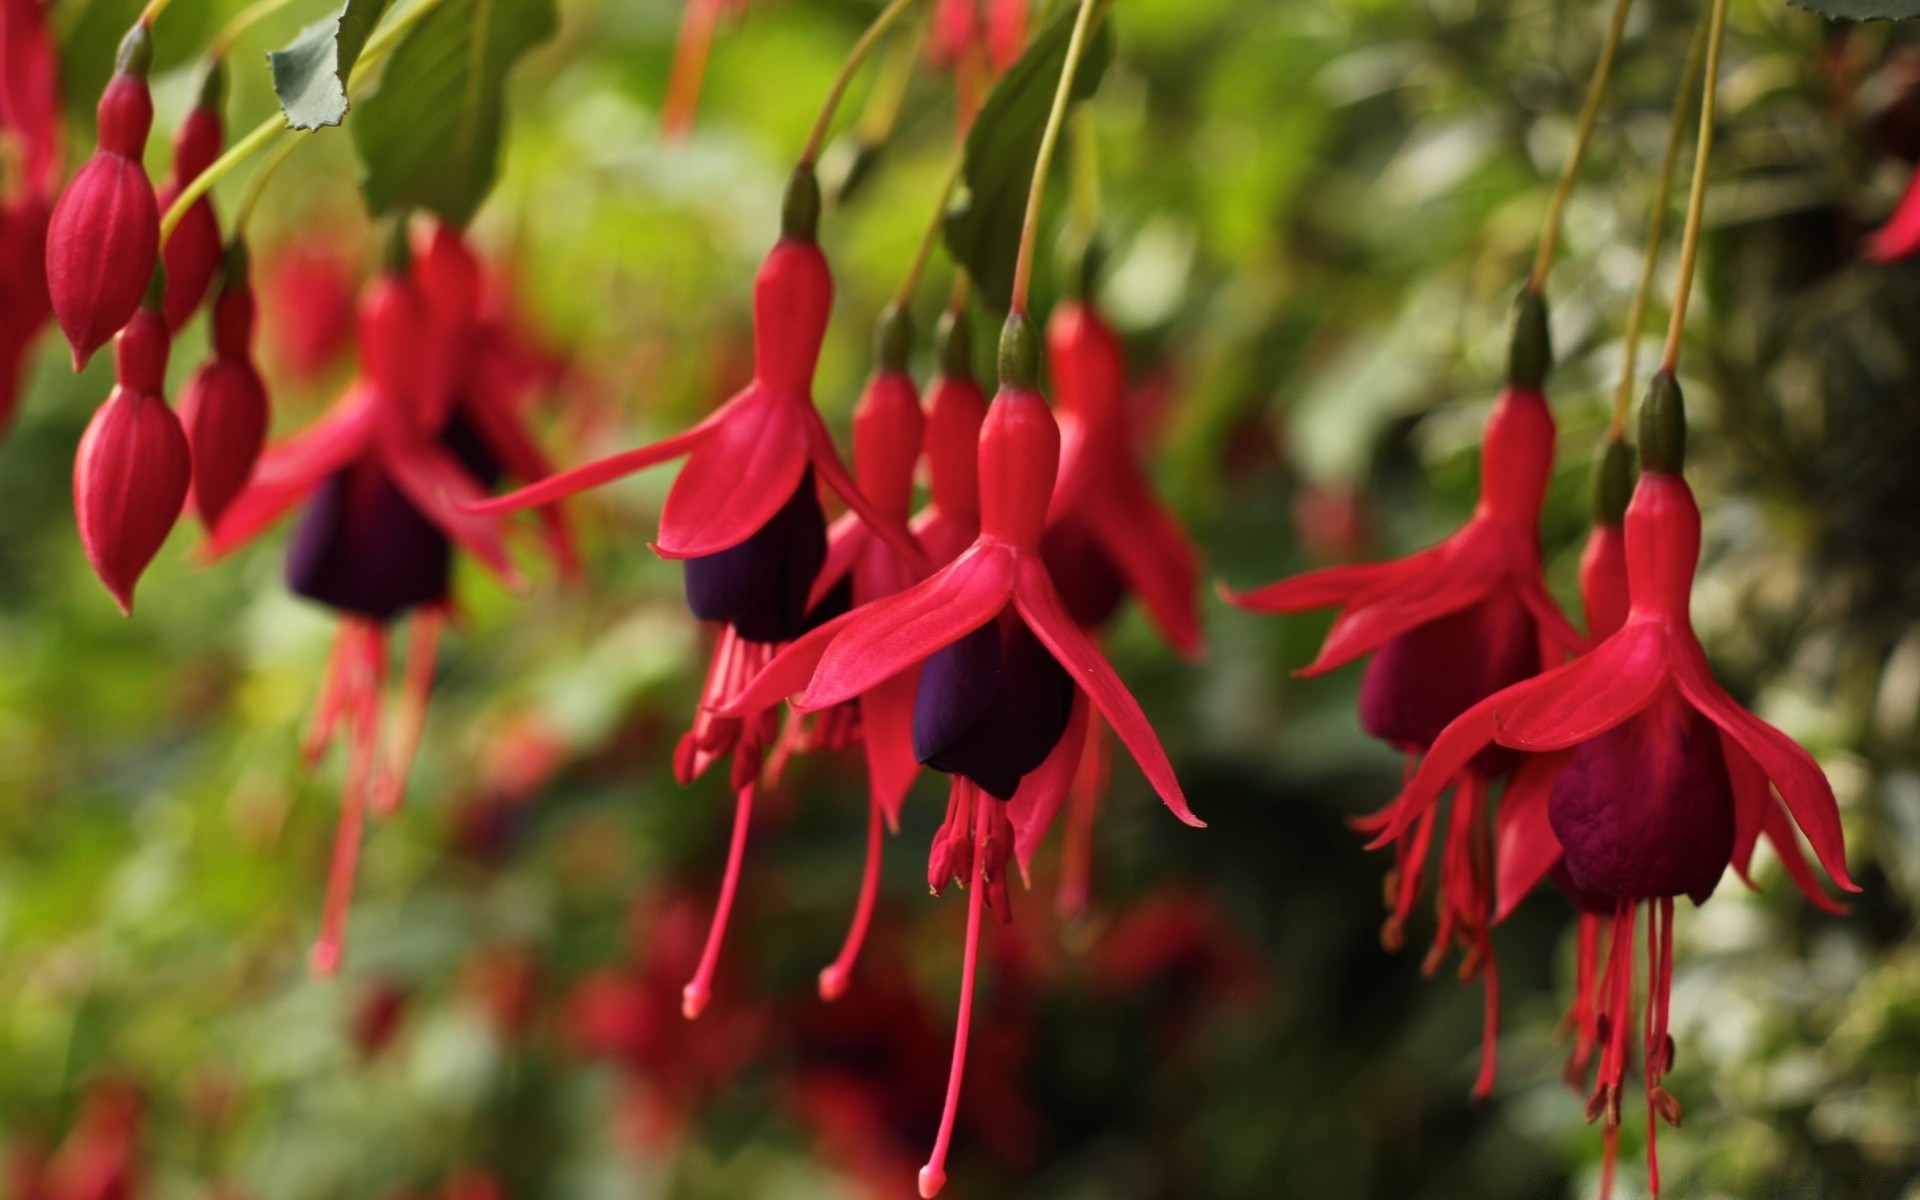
(223, 407)
(192, 252)
(29, 176)
(100, 1159)
(377, 1016)
(307, 302)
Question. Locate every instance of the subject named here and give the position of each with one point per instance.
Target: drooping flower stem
(263, 134)
(1049, 139)
(1697, 196)
(903, 299)
(817, 140)
(257, 183)
(1583, 133)
(1656, 229)
(933, 1176)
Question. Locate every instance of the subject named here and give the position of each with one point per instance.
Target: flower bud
(193, 251)
(224, 405)
(104, 236)
(131, 474)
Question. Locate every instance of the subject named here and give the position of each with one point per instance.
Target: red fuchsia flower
(697, 24)
(104, 236)
(307, 305)
(1448, 627)
(745, 515)
(1658, 780)
(389, 478)
(1900, 236)
(192, 251)
(976, 40)
(224, 405)
(377, 1017)
(1107, 536)
(29, 176)
(956, 408)
(1006, 676)
(100, 1159)
(631, 1014)
(132, 470)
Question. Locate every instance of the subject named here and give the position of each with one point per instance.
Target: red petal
(737, 477)
(1802, 784)
(827, 465)
(886, 729)
(1446, 760)
(789, 672)
(287, 472)
(1046, 614)
(1586, 697)
(499, 426)
(444, 493)
(1752, 797)
(1778, 827)
(599, 471)
(1319, 589)
(1900, 236)
(1557, 634)
(844, 541)
(891, 635)
(1440, 584)
(1153, 553)
(1525, 848)
(1034, 807)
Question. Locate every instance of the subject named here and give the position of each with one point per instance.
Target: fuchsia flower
(1107, 536)
(104, 236)
(1900, 236)
(956, 408)
(996, 30)
(307, 305)
(1448, 627)
(389, 477)
(1006, 676)
(132, 470)
(224, 405)
(29, 176)
(192, 251)
(745, 514)
(1652, 779)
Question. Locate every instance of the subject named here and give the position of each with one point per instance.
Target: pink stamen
(699, 990)
(367, 670)
(933, 1176)
(416, 691)
(326, 714)
(689, 67)
(1490, 1027)
(833, 980)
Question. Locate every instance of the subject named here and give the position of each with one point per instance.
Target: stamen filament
(699, 990)
(933, 1176)
(1656, 231)
(369, 674)
(1697, 195)
(1583, 133)
(834, 979)
(416, 691)
(697, 23)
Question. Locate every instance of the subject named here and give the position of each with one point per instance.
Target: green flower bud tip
(1019, 353)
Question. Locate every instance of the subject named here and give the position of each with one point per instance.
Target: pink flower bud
(224, 407)
(104, 237)
(193, 251)
(131, 474)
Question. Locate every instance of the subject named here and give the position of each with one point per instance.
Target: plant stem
(1656, 229)
(242, 21)
(257, 183)
(1030, 228)
(1583, 133)
(904, 298)
(1697, 196)
(855, 57)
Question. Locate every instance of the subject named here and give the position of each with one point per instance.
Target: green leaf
(310, 75)
(983, 225)
(1862, 10)
(430, 137)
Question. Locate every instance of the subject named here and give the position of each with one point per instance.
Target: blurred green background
(1317, 216)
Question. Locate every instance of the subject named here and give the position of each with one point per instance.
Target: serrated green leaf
(430, 137)
(1862, 10)
(982, 227)
(310, 74)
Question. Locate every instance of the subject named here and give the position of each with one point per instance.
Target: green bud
(894, 345)
(1531, 354)
(1612, 482)
(1082, 258)
(1663, 426)
(1019, 353)
(399, 253)
(955, 338)
(234, 261)
(213, 86)
(800, 211)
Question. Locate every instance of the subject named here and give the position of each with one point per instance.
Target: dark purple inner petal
(760, 586)
(1646, 809)
(1416, 684)
(991, 707)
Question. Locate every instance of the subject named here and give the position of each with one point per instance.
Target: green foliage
(1862, 10)
(430, 137)
(310, 74)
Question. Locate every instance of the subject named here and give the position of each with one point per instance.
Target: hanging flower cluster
(30, 160)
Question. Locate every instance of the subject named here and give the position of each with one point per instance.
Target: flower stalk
(1697, 196)
(1583, 134)
(817, 140)
(1049, 140)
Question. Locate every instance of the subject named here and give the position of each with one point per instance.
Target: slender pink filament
(699, 990)
(416, 691)
(689, 67)
(933, 1176)
(833, 980)
(326, 715)
(361, 695)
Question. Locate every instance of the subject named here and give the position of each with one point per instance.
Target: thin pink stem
(933, 1176)
(367, 669)
(699, 990)
(834, 979)
(326, 714)
(416, 691)
(689, 66)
